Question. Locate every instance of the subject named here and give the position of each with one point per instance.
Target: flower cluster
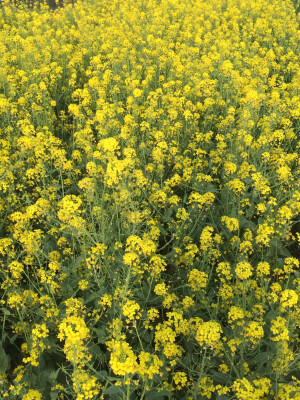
(149, 199)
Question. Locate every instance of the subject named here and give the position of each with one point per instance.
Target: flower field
(150, 200)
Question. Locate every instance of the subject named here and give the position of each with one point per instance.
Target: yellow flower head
(254, 332)
(289, 298)
(279, 329)
(32, 395)
(232, 224)
(209, 333)
(236, 314)
(197, 279)
(243, 270)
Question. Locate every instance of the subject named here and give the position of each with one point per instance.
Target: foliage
(149, 200)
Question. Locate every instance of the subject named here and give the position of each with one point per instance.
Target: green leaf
(113, 390)
(5, 311)
(283, 251)
(101, 374)
(101, 334)
(154, 394)
(95, 350)
(13, 338)
(148, 337)
(4, 359)
(53, 377)
(219, 377)
(75, 264)
(54, 395)
(92, 297)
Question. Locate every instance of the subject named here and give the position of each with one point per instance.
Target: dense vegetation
(150, 200)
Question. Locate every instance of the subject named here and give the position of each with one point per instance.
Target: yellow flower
(223, 368)
(209, 333)
(180, 379)
(245, 390)
(289, 298)
(16, 269)
(83, 284)
(122, 359)
(265, 232)
(279, 329)
(187, 302)
(237, 186)
(24, 348)
(85, 385)
(149, 364)
(291, 264)
(130, 310)
(160, 289)
(263, 268)
(236, 314)
(197, 279)
(234, 344)
(284, 356)
(157, 264)
(206, 387)
(137, 93)
(40, 331)
(106, 300)
(32, 395)
(206, 238)
(232, 224)
(243, 270)
(74, 332)
(254, 331)
(261, 183)
(152, 314)
(224, 271)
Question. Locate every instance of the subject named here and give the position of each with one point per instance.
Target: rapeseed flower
(32, 395)
(289, 298)
(243, 270)
(209, 333)
(149, 174)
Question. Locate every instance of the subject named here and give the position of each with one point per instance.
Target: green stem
(232, 364)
